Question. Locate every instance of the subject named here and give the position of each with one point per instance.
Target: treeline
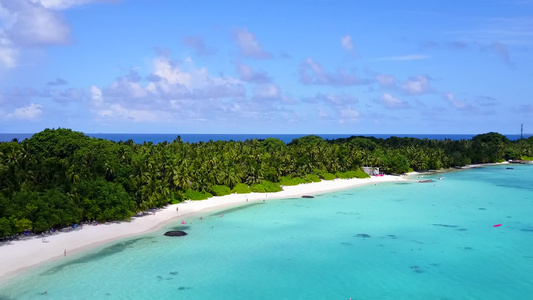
(60, 177)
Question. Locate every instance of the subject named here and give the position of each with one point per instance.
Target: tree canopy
(60, 177)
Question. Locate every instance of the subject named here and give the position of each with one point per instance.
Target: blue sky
(356, 67)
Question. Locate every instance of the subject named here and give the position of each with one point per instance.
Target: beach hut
(371, 171)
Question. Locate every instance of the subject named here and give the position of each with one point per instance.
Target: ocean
(155, 138)
(398, 240)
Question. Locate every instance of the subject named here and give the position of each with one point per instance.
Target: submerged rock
(362, 235)
(426, 181)
(445, 225)
(175, 233)
(308, 196)
(416, 269)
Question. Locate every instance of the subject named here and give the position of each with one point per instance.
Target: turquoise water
(388, 241)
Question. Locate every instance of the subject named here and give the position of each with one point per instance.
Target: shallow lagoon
(387, 241)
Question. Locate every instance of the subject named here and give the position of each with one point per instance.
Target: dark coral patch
(175, 233)
(445, 225)
(362, 235)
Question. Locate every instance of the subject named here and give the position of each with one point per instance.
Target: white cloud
(117, 111)
(416, 85)
(346, 42)
(267, 91)
(29, 112)
(455, 102)
(322, 114)
(332, 99)
(245, 71)
(171, 80)
(108, 109)
(64, 4)
(312, 72)
(174, 91)
(125, 86)
(69, 95)
(33, 23)
(482, 108)
(349, 115)
(392, 102)
(170, 71)
(36, 25)
(8, 53)
(249, 45)
(386, 80)
(7, 17)
(247, 74)
(96, 94)
(339, 106)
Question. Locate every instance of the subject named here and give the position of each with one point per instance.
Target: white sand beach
(19, 255)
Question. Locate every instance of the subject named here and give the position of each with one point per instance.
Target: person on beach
(65, 252)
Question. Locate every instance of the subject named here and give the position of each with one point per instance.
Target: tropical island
(59, 177)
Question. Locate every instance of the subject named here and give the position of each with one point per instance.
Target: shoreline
(19, 256)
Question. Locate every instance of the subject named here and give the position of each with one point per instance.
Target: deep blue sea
(399, 240)
(155, 138)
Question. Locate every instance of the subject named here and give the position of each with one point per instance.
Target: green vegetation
(288, 181)
(266, 187)
(352, 174)
(196, 195)
(60, 177)
(241, 188)
(221, 190)
(328, 176)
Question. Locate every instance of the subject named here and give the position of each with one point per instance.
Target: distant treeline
(60, 177)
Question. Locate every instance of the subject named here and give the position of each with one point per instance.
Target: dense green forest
(60, 177)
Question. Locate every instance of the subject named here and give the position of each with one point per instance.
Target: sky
(309, 67)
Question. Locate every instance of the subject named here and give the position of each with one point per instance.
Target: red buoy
(497, 225)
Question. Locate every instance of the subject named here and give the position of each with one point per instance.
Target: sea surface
(156, 138)
(399, 240)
